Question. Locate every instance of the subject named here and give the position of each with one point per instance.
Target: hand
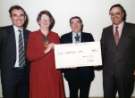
(134, 72)
(46, 44)
(49, 47)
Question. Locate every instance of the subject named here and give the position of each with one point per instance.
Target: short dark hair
(17, 7)
(76, 17)
(122, 9)
(46, 12)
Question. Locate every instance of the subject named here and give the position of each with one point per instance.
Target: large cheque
(77, 55)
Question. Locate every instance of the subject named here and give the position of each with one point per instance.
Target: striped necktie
(21, 50)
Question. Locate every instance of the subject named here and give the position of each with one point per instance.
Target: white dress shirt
(120, 28)
(74, 35)
(17, 45)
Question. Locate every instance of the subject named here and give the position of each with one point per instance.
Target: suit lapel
(82, 37)
(111, 37)
(70, 39)
(12, 36)
(124, 32)
(11, 41)
(25, 35)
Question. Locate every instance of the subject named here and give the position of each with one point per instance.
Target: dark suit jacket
(8, 47)
(119, 59)
(2, 36)
(84, 71)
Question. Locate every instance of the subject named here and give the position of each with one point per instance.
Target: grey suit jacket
(121, 58)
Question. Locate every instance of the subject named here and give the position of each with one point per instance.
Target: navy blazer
(8, 47)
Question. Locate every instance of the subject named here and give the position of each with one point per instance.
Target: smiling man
(80, 78)
(14, 66)
(118, 52)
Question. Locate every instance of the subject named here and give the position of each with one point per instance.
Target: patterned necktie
(116, 35)
(77, 38)
(21, 50)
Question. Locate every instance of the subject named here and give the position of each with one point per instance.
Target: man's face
(116, 15)
(18, 17)
(76, 25)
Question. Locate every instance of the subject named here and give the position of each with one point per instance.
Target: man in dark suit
(118, 50)
(14, 66)
(78, 78)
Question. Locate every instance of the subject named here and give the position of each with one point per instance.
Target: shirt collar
(120, 25)
(74, 33)
(17, 28)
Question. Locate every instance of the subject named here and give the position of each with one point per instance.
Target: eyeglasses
(116, 14)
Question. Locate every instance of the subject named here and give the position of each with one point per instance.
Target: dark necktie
(77, 37)
(116, 35)
(21, 50)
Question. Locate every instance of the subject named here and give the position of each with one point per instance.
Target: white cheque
(78, 55)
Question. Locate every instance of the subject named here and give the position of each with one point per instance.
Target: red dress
(45, 80)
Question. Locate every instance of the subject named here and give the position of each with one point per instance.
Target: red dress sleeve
(57, 39)
(35, 48)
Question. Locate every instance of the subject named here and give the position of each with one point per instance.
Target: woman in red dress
(45, 80)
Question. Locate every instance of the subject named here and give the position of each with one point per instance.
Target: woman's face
(44, 21)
